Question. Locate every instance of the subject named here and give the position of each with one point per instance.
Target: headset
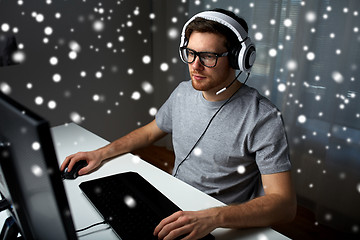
(241, 56)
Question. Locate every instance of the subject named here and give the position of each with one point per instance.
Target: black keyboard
(130, 205)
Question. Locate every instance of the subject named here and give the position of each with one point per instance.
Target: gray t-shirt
(245, 139)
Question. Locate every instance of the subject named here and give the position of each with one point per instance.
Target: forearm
(136, 139)
(123, 145)
(260, 212)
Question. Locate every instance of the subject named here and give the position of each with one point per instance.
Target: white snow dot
(197, 151)
(262, 236)
(75, 117)
(129, 23)
(310, 56)
(147, 87)
(96, 97)
(130, 201)
(328, 217)
(98, 74)
(121, 38)
(310, 17)
(37, 171)
(56, 77)
(146, 59)
(35, 146)
(164, 67)
(5, 27)
(136, 159)
(302, 119)
(272, 52)
(136, 95)
(5, 88)
(136, 11)
(39, 17)
(281, 87)
(39, 100)
(241, 169)
(173, 33)
(130, 71)
(72, 55)
(152, 111)
(53, 60)
(337, 77)
(259, 36)
(18, 56)
(74, 46)
(291, 65)
(48, 30)
(98, 26)
(287, 22)
(52, 104)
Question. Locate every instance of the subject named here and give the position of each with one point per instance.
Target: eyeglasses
(208, 59)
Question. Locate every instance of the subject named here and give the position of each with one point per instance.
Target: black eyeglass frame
(217, 55)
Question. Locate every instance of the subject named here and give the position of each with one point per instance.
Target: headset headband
(224, 19)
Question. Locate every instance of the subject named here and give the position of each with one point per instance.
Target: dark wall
(103, 78)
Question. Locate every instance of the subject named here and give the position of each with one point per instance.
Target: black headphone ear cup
(184, 45)
(234, 57)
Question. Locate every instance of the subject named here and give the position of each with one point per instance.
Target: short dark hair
(203, 25)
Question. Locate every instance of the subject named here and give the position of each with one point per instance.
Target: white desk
(71, 138)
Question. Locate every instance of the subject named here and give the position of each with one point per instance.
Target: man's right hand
(92, 158)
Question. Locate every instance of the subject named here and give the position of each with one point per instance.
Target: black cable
(208, 125)
(4, 204)
(93, 225)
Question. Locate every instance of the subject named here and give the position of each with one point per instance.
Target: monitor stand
(10, 230)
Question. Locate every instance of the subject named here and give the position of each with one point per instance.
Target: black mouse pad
(130, 204)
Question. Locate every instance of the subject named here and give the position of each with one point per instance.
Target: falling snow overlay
(109, 66)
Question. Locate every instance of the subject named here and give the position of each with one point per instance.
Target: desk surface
(71, 138)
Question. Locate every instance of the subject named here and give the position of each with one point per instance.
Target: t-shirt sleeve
(269, 143)
(163, 117)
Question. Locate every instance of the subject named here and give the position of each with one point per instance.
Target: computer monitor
(30, 178)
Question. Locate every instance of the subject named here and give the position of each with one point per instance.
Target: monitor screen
(30, 178)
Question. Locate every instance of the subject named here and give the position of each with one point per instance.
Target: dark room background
(109, 65)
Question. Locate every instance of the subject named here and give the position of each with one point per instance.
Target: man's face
(204, 78)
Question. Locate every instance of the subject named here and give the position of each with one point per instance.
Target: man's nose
(197, 63)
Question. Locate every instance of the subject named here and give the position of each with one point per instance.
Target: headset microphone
(223, 89)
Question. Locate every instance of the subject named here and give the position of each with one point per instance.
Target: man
(228, 140)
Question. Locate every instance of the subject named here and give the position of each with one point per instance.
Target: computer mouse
(74, 173)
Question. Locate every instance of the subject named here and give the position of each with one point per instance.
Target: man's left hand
(190, 225)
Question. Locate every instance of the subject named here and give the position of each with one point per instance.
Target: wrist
(101, 154)
(217, 217)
